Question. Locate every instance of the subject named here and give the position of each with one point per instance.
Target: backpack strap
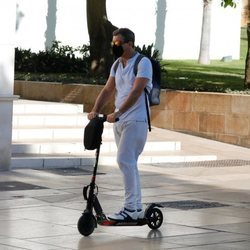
(147, 109)
(138, 59)
(116, 65)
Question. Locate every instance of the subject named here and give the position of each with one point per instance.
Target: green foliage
(181, 74)
(149, 51)
(226, 3)
(217, 77)
(58, 59)
(60, 77)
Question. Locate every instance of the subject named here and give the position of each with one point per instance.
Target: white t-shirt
(124, 80)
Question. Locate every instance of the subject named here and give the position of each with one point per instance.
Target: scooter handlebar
(104, 118)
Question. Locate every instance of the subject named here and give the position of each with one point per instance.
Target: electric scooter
(87, 223)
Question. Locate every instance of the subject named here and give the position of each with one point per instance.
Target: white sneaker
(124, 215)
(140, 214)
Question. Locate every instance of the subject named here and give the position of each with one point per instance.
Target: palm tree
(204, 56)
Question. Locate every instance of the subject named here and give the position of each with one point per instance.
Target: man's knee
(125, 162)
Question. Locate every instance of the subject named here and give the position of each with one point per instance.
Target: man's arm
(103, 98)
(138, 88)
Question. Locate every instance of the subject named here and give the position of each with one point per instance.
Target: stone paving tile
(26, 228)
(107, 241)
(6, 247)
(47, 219)
(145, 192)
(198, 218)
(207, 238)
(142, 232)
(240, 228)
(240, 212)
(46, 214)
(224, 196)
(14, 243)
(240, 245)
(31, 193)
(18, 203)
(190, 188)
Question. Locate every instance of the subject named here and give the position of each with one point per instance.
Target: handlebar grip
(104, 118)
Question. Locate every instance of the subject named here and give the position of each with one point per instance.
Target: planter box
(58, 92)
(218, 116)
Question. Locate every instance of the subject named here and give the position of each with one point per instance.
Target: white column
(7, 35)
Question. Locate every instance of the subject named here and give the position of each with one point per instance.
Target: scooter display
(87, 223)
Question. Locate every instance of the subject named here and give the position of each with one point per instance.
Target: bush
(57, 59)
(59, 64)
(151, 52)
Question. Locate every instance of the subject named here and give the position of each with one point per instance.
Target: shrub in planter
(58, 59)
(63, 63)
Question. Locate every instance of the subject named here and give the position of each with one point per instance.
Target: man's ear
(131, 44)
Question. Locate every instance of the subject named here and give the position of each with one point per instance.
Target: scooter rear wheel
(86, 224)
(155, 218)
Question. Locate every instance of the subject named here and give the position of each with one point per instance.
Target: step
(53, 128)
(160, 157)
(22, 121)
(42, 107)
(49, 135)
(60, 161)
(77, 148)
(49, 161)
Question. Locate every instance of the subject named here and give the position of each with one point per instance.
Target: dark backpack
(93, 134)
(154, 94)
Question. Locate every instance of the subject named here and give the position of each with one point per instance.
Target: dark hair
(127, 34)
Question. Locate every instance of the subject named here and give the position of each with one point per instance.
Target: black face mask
(117, 50)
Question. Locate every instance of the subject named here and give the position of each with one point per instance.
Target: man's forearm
(105, 95)
(136, 92)
(101, 100)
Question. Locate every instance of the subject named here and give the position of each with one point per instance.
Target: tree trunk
(247, 65)
(100, 34)
(204, 56)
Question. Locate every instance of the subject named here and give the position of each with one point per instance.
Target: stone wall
(217, 116)
(58, 92)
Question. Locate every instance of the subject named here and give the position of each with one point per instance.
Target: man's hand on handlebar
(111, 118)
(92, 115)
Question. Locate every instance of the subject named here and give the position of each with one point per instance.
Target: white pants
(130, 139)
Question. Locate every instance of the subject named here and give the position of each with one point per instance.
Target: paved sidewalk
(207, 204)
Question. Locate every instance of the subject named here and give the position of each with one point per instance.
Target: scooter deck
(107, 222)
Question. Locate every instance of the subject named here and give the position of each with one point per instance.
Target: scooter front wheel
(86, 224)
(155, 218)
